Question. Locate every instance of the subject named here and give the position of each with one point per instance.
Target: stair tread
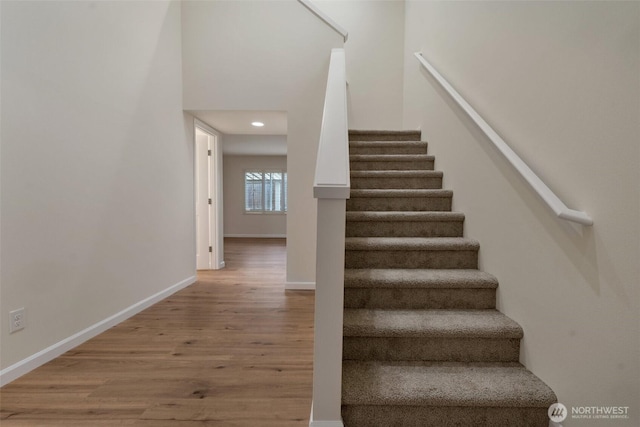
(411, 243)
(383, 132)
(402, 193)
(388, 143)
(405, 216)
(417, 278)
(443, 384)
(396, 174)
(430, 323)
(389, 157)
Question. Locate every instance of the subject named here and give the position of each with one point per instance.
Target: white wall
(238, 223)
(3, 324)
(256, 55)
(260, 145)
(559, 81)
(375, 61)
(97, 174)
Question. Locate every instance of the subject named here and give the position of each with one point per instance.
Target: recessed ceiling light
(257, 124)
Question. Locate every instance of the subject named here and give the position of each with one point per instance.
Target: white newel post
(327, 360)
(331, 188)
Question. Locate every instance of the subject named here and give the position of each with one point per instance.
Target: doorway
(208, 198)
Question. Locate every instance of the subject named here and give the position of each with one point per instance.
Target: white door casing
(203, 222)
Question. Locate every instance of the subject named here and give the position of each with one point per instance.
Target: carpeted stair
(423, 343)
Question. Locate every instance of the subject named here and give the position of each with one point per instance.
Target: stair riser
(443, 416)
(408, 149)
(399, 204)
(404, 229)
(385, 136)
(400, 183)
(431, 349)
(444, 259)
(419, 299)
(392, 165)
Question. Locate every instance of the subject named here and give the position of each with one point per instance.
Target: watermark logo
(557, 412)
(600, 412)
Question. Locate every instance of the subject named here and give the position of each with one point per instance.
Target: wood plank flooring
(233, 349)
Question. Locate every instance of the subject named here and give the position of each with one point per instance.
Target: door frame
(215, 192)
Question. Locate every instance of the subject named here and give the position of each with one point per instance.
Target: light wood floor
(234, 349)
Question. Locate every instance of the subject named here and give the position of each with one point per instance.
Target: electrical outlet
(17, 320)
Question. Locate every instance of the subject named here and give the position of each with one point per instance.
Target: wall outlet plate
(17, 320)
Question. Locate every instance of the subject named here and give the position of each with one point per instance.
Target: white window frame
(284, 201)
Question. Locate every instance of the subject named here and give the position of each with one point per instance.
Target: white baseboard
(313, 423)
(326, 423)
(24, 366)
(257, 236)
(300, 286)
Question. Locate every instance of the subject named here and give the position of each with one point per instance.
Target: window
(265, 191)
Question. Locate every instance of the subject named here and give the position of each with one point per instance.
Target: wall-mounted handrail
(331, 187)
(326, 18)
(553, 201)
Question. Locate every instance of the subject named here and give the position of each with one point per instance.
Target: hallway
(233, 349)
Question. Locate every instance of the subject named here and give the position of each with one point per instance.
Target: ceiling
(239, 122)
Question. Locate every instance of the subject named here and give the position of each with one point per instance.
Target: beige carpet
(423, 343)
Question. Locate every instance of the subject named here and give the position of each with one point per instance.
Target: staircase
(423, 343)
